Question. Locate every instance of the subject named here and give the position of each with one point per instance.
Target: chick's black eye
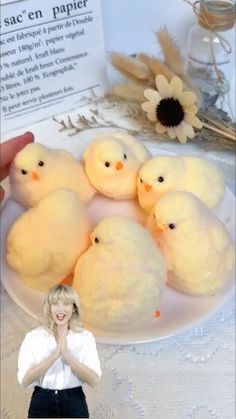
(141, 180)
(24, 172)
(41, 163)
(172, 226)
(125, 157)
(160, 179)
(96, 240)
(107, 164)
(154, 216)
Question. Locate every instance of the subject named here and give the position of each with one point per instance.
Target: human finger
(10, 148)
(2, 193)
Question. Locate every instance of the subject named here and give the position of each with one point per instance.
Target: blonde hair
(67, 294)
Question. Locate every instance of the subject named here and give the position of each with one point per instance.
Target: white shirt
(39, 344)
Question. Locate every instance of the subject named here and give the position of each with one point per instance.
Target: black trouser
(68, 403)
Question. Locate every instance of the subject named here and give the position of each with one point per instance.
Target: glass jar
(211, 49)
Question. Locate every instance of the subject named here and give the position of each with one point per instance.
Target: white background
(129, 25)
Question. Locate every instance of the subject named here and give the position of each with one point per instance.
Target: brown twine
(220, 18)
(215, 15)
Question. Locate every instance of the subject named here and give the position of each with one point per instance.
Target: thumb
(2, 193)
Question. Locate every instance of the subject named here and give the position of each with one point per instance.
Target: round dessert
(198, 250)
(38, 170)
(184, 173)
(112, 162)
(44, 243)
(120, 278)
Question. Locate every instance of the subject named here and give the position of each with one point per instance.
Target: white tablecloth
(187, 376)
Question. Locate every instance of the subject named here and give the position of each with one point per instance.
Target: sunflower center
(170, 112)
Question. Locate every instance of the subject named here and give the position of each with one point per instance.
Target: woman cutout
(58, 357)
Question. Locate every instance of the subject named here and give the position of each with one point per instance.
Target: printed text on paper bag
(39, 47)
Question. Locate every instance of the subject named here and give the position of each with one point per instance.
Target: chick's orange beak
(160, 230)
(147, 187)
(119, 165)
(34, 176)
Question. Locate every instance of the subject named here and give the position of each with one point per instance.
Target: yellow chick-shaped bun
(112, 162)
(196, 246)
(120, 278)
(38, 170)
(45, 242)
(186, 173)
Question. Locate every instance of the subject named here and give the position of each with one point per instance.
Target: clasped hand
(62, 348)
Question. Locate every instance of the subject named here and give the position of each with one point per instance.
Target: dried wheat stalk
(171, 52)
(130, 67)
(143, 69)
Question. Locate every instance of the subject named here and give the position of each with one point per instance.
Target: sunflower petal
(193, 120)
(191, 109)
(163, 86)
(152, 117)
(152, 95)
(171, 133)
(149, 107)
(188, 130)
(160, 128)
(181, 135)
(187, 98)
(176, 86)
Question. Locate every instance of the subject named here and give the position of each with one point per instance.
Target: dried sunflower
(173, 109)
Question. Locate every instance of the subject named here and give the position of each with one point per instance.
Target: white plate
(179, 312)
